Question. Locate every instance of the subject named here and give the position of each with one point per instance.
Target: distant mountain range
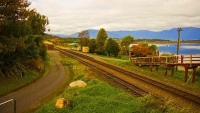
(188, 33)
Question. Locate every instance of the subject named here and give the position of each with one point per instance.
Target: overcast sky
(70, 16)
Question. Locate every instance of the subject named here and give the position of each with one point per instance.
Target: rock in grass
(61, 102)
(78, 83)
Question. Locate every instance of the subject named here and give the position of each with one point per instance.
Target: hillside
(188, 33)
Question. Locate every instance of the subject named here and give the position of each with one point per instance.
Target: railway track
(135, 90)
(108, 68)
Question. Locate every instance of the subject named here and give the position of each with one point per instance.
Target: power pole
(178, 45)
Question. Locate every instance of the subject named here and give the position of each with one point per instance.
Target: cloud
(69, 16)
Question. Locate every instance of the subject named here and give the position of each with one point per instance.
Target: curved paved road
(31, 95)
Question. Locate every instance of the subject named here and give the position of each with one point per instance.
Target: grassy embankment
(99, 96)
(13, 83)
(177, 80)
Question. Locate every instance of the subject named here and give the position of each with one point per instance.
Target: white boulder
(78, 83)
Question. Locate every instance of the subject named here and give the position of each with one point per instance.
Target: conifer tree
(100, 41)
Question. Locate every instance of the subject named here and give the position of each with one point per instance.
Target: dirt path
(31, 95)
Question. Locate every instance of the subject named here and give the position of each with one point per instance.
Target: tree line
(21, 36)
(103, 45)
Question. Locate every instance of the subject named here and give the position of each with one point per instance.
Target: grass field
(99, 97)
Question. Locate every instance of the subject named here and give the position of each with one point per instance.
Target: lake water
(184, 48)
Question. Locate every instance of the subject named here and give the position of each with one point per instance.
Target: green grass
(176, 80)
(47, 62)
(99, 97)
(14, 82)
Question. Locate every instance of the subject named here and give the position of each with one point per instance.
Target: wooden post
(186, 73)
(194, 74)
(182, 59)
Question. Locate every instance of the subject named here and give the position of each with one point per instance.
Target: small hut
(49, 45)
(85, 49)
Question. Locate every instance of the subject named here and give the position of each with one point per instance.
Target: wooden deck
(189, 62)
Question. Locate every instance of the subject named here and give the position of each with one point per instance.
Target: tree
(126, 41)
(143, 44)
(18, 21)
(153, 49)
(84, 38)
(100, 41)
(84, 41)
(84, 34)
(13, 18)
(38, 40)
(38, 23)
(12, 55)
(32, 48)
(142, 50)
(92, 45)
(13, 31)
(17, 43)
(112, 47)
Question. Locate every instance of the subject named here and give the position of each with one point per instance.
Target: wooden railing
(176, 59)
(169, 62)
